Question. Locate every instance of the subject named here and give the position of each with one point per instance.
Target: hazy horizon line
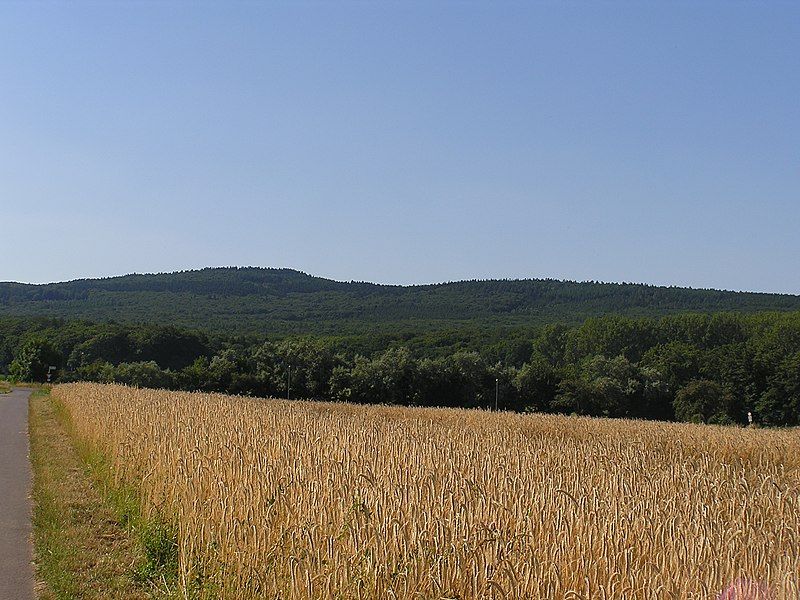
(393, 284)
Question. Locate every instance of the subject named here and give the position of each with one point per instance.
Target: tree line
(712, 368)
(287, 302)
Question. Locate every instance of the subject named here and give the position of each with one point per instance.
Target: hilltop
(285, 301)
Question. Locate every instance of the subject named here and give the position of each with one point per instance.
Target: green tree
(703, 401)
(170, 347)
(142, 374)
(780, 403)
(551, 343)
(656, 396)
(33, 360)
(677, 362)
(311, 363)
(601, 386)
(537, 383)
(110, 346)
(456, 380)
(391, 378)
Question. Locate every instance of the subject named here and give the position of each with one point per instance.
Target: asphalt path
(16, 549)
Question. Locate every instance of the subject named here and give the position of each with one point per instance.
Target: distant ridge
(279, 301)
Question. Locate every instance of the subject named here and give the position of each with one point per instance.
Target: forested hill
(284, 301)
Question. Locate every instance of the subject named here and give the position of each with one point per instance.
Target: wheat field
(297, 500)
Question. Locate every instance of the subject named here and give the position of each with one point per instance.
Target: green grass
(157, 539)
(91, 540)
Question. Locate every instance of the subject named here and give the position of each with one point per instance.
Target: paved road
(16, 550)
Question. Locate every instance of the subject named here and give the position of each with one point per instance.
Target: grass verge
(90, 539)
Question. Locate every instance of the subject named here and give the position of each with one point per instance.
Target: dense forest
(712, 368)
(279, 302)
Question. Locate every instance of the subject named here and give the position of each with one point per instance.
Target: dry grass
(276, 499)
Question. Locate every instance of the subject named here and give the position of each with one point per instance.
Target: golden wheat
(296, 500)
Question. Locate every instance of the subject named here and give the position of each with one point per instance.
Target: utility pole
(496, 392)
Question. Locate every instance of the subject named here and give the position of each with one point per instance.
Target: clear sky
(403, 142)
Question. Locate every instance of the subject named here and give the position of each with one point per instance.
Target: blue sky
(403, 142)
